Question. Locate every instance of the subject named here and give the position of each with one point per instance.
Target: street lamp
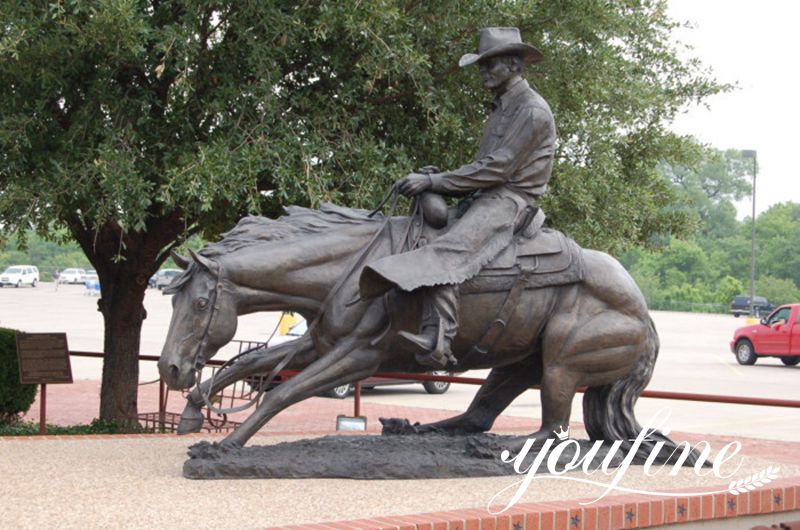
(751, 153)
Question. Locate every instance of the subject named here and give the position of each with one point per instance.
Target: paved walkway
(135, 482)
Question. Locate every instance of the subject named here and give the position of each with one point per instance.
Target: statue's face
(495, 72)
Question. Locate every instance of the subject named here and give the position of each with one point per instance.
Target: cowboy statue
(511, 170)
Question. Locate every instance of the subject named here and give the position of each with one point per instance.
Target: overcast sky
(754, 44)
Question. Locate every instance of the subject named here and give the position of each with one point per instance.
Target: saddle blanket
(548, 259)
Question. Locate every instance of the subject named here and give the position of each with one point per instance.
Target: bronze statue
(520, 299)
(509, 173)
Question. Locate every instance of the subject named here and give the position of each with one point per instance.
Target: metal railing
(244, 390)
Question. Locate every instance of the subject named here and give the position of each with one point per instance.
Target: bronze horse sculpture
(593, 333)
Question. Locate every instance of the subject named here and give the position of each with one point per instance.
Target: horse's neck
(295, 274)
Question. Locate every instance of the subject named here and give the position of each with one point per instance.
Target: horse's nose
(174, 372)
(170, 372)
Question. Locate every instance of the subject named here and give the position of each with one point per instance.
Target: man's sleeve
(497, 166)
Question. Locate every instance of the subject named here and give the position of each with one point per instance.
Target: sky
(753, 44)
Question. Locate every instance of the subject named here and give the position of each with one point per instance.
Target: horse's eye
(201, 303)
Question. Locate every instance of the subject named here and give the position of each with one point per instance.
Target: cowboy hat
(501, 41)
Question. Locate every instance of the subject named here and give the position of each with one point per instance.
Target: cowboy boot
(433, 343)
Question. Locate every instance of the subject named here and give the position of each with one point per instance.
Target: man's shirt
(516, 150)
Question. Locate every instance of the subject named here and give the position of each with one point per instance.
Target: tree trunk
(123, 282)
(123, 314)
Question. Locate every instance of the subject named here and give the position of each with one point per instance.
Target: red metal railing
(656, 394)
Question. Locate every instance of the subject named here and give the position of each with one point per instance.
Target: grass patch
(97, 426)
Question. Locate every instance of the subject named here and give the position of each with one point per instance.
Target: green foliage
(130, 125)
(49, 255)
(31, 429)
(46, 255)
(125, 111)
(15, 398)
(727, 288)
(708, 186)
(778, 241)
(777, 290)
(705, 273)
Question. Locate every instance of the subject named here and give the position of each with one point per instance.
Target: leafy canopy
(186, 114)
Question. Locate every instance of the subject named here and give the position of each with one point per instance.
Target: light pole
(751, 153)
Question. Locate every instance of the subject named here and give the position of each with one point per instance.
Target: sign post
(43, 359)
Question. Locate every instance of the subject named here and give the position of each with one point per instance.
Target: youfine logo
(724, 465)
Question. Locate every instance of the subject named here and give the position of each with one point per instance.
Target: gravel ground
(137, 483)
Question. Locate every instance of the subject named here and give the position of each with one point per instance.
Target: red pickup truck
(778, 335)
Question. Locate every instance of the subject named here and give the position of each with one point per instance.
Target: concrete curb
(624, 511)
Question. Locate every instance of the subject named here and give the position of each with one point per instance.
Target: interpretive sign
(43, 358)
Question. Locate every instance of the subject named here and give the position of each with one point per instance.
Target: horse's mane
(298, 220)
(253, 230)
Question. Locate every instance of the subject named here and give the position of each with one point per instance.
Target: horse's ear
(179, 260)
(204, 262)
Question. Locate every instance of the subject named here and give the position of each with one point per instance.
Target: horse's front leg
(345, 363)
(192, 417)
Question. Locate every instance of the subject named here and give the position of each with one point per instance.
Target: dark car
(741, 306)
(340, 392)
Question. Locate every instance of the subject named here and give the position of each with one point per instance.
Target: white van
(18, 275)
(71, 276)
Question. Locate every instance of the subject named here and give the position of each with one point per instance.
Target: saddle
(537, 257)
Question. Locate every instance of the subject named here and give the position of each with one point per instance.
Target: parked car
(741, 306)
(19, 275)
(340, 392)
(89, 276)
(71, 276)
(165, 276)
(778, 335)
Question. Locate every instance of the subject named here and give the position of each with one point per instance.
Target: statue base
(367, 457)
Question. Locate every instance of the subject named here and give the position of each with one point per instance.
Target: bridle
(200, 361)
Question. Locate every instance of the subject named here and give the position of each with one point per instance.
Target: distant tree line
(50, 256)
(704, 272)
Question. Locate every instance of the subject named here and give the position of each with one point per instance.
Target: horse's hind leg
(504, 385)
(584, 349)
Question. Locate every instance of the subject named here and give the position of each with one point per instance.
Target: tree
(135, 123)
(778, 290)
(777, 242)
(710, 185)
(726, 289)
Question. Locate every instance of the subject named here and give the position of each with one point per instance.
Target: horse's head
(203, 319)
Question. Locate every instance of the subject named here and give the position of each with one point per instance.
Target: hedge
(15, 398)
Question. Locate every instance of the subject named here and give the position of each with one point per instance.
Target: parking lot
(694, 357)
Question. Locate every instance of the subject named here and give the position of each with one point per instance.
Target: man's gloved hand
(427, 170)
(413, 184)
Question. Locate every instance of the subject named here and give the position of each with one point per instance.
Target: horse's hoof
(191, 421)
(227, 445)
(398, 426)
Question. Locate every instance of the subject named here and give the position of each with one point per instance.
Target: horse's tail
(608, 410)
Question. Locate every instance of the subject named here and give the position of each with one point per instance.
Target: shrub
(15, 398)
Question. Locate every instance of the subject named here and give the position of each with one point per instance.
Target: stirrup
(440, 355)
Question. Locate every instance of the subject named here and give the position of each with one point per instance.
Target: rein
(199, 362)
